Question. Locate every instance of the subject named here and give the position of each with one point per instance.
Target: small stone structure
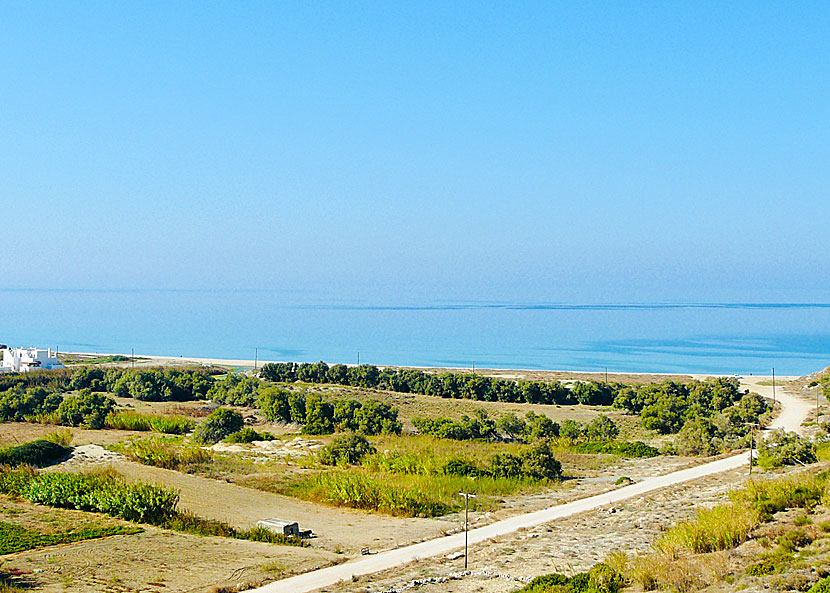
(280, 526)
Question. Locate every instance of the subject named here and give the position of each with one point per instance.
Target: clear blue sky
(531, 151)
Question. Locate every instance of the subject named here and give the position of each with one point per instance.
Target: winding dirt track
(793, 412)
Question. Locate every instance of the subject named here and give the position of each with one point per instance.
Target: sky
(553, 152)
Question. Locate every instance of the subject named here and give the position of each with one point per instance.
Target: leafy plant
(219, 424)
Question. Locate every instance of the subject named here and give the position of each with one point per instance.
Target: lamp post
(467, 498)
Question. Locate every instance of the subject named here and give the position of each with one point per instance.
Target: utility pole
(474, 367)
(132, 357)
(256, 355)
(467, 496)
(358, 358)
(606, 375)
(773, 386)
(752, 426)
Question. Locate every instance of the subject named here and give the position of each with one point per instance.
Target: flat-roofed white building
(23, 360)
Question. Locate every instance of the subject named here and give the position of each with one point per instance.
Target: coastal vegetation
(109, 493)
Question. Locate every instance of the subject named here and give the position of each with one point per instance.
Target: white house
(23, 360)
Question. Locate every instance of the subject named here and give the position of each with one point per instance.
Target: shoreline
(251, 364)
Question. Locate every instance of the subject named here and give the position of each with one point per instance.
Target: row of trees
(509, 427)
(36, 404)
(319, 416)
(448, 385)
(664, 407)
(153, 384)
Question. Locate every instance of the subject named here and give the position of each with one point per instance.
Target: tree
(319, 416)
(511, 425)
(601, 428)
(346, 450)
(86, 409)
(219, 424)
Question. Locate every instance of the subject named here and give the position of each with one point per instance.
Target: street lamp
(467, 498)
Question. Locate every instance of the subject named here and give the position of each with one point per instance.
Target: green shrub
(768, 497)
(248, 435)
(784, 448)
(601, 578)
(699, 436)
(36, 453)
(793, 540)
(764, 567)
(102, 493)
(86, 409)
(235, 390)
(346, 450)
(601, 428)
(823, 586)
(219, 424)
(17, 404)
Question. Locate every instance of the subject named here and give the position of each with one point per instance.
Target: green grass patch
(149, 422)
(14, 538)
(635, 449)
(248, 435)
(720, 528)
(36, 453)
(168, 453)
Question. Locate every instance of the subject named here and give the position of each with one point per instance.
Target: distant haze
(536, 152)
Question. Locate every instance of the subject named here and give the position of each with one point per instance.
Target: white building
(23, 360)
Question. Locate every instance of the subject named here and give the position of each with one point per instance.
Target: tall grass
(403, 495)
(149, 422)
(720, 528)
(684, 553)
(360, 491)
(165, 453)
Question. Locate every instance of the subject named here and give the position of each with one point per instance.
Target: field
(403, 491)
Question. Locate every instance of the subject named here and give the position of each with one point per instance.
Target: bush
(784, 448)
(36, 453)
(539, 463)
(346, 450)
(235, 390)
(18, 404)
(699, 436)
(248, 435)
(103, 493)
(219, 424)
(87, 409)
(601, 578)
(823, 586)
(601, 428)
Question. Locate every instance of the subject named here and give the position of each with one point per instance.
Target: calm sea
(660, 337)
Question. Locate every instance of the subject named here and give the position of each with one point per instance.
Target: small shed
(280, 526)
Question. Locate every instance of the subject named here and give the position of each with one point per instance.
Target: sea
(661, 337)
